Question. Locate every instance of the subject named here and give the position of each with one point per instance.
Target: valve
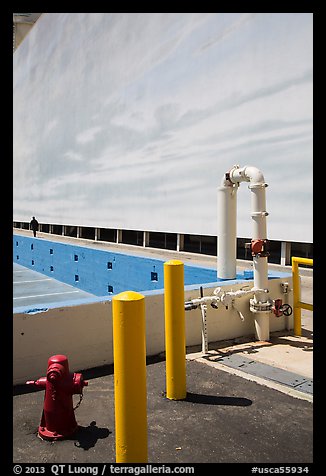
(189, 306)
(226, 300)
(277, 307)
(58, 417)
(260, 247)
(280, 309)
(285, 288)
(287, 310)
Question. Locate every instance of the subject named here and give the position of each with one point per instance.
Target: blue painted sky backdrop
(130, 120)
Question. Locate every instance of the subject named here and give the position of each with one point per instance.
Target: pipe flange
(260, 306)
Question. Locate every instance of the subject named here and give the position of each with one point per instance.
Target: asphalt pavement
(224, 419)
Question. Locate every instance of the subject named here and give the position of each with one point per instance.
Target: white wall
(129, 120)
(84, 332)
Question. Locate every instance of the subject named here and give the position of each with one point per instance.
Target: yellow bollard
(129, 353)
(297, 303)
(175, 340)
(296, 298)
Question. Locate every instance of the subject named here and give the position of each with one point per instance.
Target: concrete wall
(129, 120)
(84, 332)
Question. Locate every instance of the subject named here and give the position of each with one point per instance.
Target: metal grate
(252, 367)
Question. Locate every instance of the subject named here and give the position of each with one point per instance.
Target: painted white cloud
(71, 155)
(155, 120)
(50, 126)
(88, 135)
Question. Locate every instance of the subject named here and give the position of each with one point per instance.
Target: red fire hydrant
(58, 417)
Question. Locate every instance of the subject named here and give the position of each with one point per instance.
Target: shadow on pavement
(217, 400)
(87, 436)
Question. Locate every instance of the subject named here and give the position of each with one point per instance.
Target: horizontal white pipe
(203, 300)
(220, 295)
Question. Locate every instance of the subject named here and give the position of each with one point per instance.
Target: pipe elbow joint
(247, 173)
(254, 175)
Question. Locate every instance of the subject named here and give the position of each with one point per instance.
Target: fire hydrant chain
(80, 400)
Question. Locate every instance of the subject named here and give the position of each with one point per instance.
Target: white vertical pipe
(260, 263)
(227, 234)
(258, 211)
(258, 214)
(261, 323)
